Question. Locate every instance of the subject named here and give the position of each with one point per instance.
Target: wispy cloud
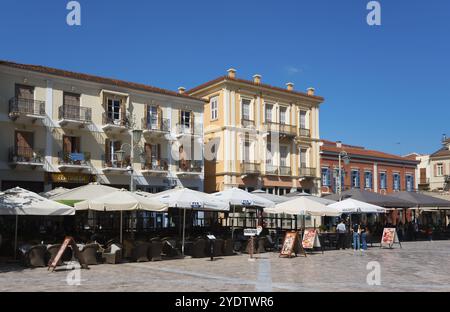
(292, 70)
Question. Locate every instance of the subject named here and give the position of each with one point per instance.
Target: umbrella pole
(121, 223)
(184, 230)
(15, 237)
(232, 222)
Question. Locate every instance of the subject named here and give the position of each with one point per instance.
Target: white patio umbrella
(121, 200)
(183, 198)
(273, 198)
(85, 192)
(54, 192)
(237, 197)
(21, 202)
(353, 206)
(304, 206)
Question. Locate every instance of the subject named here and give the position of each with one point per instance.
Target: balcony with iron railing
(304, 133)
(155, 125)
(155, 166)
(116, 163)
(307, 172)
(285, 171)
(270, 169)
(113, 124)
(27, 156)
(31, 109)
(189, 129)
(246, 122)
(250, 168)
(74, 160)
(189, 167)
(75, 115)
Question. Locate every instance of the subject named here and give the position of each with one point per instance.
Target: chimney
(290, 86)
(444, 138)
(257, 79)
(181, 90)
(339, 144)
(311, 91)
(232, 73)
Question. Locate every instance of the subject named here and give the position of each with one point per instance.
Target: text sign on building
(250, 232)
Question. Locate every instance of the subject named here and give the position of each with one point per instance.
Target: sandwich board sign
(291, 245)
(311, 239)
(67, 241)
(389, 238)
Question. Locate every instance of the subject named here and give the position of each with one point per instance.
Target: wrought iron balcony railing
(285, 171)
(250, 168)
(26, 155)
(74, 159)
(189, 166)
(156, 124)
(75, 112)
(305, 133)
(156, 165)
(108, 119)
(307, 172)
(246, 123)
(19, 106)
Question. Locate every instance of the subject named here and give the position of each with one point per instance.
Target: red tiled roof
(361, 151)
(441, 153)
(92, 78)
(249, 82)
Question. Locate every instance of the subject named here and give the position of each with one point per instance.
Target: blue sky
(386, 87)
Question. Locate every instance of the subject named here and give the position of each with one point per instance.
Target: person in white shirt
(341, 232)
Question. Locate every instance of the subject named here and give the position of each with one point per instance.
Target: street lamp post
(136, 136)
(342, 155)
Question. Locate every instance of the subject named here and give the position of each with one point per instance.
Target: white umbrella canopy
(273, 198)
(121, 200)
(238, 197)
(85, 192)
(21, 202)
(184, 198)
(352, 206)
(54, 192)
(303, 206)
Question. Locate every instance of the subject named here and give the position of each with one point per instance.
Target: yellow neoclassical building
(259, 136)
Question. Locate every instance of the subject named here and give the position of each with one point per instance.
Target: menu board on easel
(67, 241)
(291, 245)
(311, 239)
(389, 238)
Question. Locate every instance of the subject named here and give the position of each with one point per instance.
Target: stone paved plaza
(421, 266)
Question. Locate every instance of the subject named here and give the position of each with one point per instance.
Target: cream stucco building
(258, 136)
(60, 128)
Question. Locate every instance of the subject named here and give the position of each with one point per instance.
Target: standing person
(400, 231)
(356, 238)
(416, 230)
(364, 230)
(341, 231)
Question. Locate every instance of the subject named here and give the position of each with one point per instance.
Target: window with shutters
(396, 181)
(268, 113)
(284, 153)
(302, 120)
(440, 170)
(326, 178)
(246, 109)
(186, 120)
(113, 109)
(283, 115)
(383, 180)
(214, 108)
(409, 183)
(368, 179)
(302, 158)
(24, 144)
(152, 117)
(356, 179)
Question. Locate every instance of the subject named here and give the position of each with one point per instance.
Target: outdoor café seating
(198, 248)
(112, 254)
(52, 251)
(140, 252)
(89, 253)
(35, 256)
(228, 247)
(155, 249)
